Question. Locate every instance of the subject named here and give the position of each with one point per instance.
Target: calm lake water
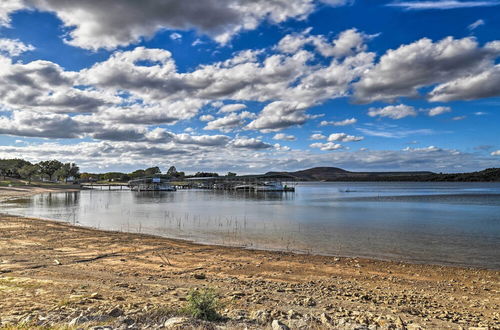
(444, 223)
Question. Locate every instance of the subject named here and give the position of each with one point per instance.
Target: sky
(251, 86)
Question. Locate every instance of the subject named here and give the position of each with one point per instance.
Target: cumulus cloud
(278, 115)
(348, 42)
(284, 137)
(437, 111)
(250, 143)
(393, 111)
(401, 72)
(475, 86)
(317, 136)
(229, 122)
(232, 107)
(344, 122)
(496, 153)
(207, 117)
(328, 146)
(343, 137)
(101, 24)
(14, 47)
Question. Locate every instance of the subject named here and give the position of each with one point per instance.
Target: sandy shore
(52, 274)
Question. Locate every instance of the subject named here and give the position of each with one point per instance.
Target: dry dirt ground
(54, 274)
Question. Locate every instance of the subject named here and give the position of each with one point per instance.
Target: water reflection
(421, 222)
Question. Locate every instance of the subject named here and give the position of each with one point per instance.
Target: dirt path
(50, 273)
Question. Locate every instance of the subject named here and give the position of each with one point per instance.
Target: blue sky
(251, 86)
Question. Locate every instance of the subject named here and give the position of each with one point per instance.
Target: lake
(442, 223)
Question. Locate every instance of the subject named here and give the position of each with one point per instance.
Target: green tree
(172, 171)
(231, 174)
(152, 171)
(49, 167)
(66, 171)
(28, 172)
(137, 174)
(11, 167)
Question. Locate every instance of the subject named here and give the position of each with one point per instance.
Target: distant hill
(338, 174)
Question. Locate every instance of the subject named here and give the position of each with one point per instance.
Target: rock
(96, 296)
(261, 316)
(200, 276)
(293, 314)
(176, 322)
(478, 328)
(277, 325)
(102, 327)
(57, 262)
(78, 320)
(309, 302)
(325, 319)
(414, 326)
(115, 312)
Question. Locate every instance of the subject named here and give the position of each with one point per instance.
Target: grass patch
(12, 283)
(203, 304)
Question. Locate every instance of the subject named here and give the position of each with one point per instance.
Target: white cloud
(437, 111)
(284, 137)
(278, 115)
(459, 118)
(100, 24)
(471, 87)
(230, 122)
(14, 47)
(232, 107)
(344, 122)
(442, 4)
(348, 42)
(175, 36)
(476, 24)
(317, 136)
(343, 137)
(393, 111)
(207, 117)
(328, 146)
(250, 143)
(496, 153)
(401, 72)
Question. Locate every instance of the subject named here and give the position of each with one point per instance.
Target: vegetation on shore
(53, 170)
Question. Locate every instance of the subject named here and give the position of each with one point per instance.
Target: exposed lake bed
(59, 272)
(440, 223)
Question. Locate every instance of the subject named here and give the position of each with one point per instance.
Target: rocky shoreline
(57, 276)
(53, 274)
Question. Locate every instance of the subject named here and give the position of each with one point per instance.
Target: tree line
(49, 169)
(171, 173)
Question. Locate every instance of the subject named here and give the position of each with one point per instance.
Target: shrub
(203, 304)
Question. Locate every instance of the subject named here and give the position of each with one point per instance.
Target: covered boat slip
(151, 184)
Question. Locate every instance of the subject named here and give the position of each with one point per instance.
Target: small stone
(96, 296)
(325, 319)
(115, 312)
(176, 322)
(78, 320)
(277, 325)
(200, 276)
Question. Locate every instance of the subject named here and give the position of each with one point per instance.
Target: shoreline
(51, 272)
(35, 190)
